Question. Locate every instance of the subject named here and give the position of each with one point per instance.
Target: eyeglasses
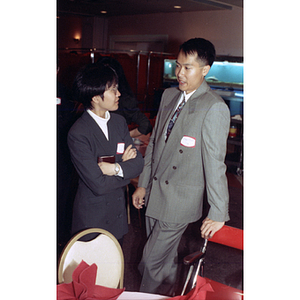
(114, 88)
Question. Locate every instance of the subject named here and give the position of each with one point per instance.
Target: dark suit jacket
(176, 173)
(100, 200)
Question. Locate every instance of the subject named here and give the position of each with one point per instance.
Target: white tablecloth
(140, 296)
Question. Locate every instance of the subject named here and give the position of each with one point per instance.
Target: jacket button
(155, 178)
(167, 182)
(180, 151)
(174, 167)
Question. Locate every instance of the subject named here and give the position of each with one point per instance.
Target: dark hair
(124, 86)
(93, 80)
(203, 48)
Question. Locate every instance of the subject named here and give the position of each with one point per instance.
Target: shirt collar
(99, 119)
(188, 96)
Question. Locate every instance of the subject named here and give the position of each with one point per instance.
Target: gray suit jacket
(176, 173)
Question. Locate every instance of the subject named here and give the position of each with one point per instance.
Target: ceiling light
(177, 6)
(103, 12)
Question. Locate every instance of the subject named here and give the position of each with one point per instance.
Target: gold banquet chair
(104, 250)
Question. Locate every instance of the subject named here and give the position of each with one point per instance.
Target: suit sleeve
(130, 111)
(146, 174)
(132, 167)
(214, 134)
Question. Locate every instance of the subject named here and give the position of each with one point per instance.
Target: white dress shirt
(102, 122)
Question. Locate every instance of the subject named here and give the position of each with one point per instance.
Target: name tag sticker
(188, 141)
(120, 148)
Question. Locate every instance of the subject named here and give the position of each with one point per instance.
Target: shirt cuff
(120, 173)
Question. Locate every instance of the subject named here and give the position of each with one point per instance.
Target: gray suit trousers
(158, 265)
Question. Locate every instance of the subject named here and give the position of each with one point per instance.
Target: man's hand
(107, 168)
(210, 227)
(129, 153)
(138, 197)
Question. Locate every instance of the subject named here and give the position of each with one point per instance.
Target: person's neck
(99, 112)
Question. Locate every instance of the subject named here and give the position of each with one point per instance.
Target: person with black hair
(128, 107)
(185, 157)
(102, 153)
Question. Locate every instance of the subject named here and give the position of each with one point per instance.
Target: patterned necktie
(174, 117)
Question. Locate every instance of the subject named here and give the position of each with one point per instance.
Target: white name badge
(188, 141)
(120, 148)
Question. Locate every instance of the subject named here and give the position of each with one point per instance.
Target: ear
(96, 99)
(205, 70)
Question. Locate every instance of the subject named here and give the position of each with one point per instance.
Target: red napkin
(83, 286)
(198, 292)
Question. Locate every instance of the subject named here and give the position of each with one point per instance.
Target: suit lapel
(194, 104)
(185, 119)
(167, 113)
(113, 135)
(98, 134)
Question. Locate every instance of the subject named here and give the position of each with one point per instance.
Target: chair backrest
(104, 250)
(229, 236)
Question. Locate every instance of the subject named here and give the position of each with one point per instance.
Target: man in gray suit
(180, 163)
